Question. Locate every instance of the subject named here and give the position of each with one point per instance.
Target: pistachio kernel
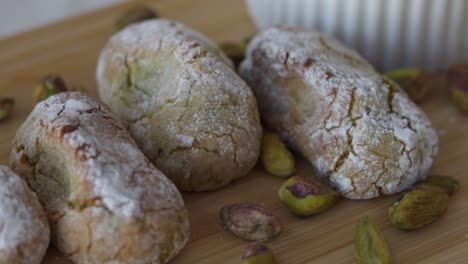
(247, 39)
(235, 51)
(411, 81)
(49, 85)
(6, 107)
(419, 207)
(135, 15)
(305, 197)
(449, 184)
(370, 245)
(250, 221)
(275, 156)
(457, 79)
(257, 253)
(78, 88)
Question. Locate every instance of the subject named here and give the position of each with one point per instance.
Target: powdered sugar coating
(359, 130)
(24, 231)
(189, 112)
(106, 202)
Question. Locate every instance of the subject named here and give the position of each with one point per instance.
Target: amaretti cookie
(105, 201)
(189, 112)
(359, 130)
(24, 231)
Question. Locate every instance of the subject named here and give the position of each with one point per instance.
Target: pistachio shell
(419, 207)
(446, 182)
(6, 107)
(250, 222)
(304, 197)
(410, 80)
(370, 246)
(275, 157)
(257, 253)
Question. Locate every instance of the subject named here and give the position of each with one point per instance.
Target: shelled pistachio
(6, 107)
(305, 197)
(370, 246)
(411, 81)
(457, 79)
(419, 207)
(275, 156)
(257, 253)
(135, 15)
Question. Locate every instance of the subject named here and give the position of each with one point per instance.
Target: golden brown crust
(189, 112)
(24, 231)
(105, 201)
(358, 129)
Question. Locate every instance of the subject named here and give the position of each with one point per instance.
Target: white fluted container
(390, 33)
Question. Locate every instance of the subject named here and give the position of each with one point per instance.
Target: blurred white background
(22, 15)
(431, 34)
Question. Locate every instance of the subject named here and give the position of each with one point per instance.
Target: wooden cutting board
(71, 48)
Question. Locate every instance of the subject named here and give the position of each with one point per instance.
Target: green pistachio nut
(257, 253)
(457, 79)
(370, 246)
(419, 207)
(6, 107)
(304, 197)
(78, 88)
(49, 85)
(135, 15)
(410, 80)
(247, 39)
(460, 98)
(235, 51)
(449, 184)
(275, 156)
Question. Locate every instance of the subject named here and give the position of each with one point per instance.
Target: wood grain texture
(71, 49)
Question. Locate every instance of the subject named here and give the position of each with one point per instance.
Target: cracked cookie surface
(189, 112)
(24, 231)
(359, 130)
(105, 201)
